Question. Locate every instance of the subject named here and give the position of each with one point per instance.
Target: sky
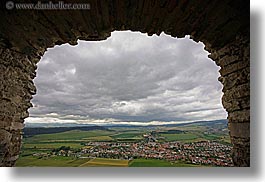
(130, 78)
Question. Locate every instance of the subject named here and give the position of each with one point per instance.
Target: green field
(50, 145)
(225, 139)
(128, 135)
(70, 135)
(46, 144)
(196, 136)
(99, 138)
(72, 139)
(100, 162)
(57, 161)
(211, 137)
(179, 137)
(157, 163)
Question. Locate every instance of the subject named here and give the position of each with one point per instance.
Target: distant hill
(202, 123)
(52, 125)
(31, 131)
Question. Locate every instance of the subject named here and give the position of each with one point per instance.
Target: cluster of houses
(202, 153)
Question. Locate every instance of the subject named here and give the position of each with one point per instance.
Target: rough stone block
(241, 130)
(242, 116)
(5, 136)
(234, 67)
(237, 92)
(236, 104)
(235, 79)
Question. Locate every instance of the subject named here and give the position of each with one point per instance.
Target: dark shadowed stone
(222, 25)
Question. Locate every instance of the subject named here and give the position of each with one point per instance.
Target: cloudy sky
(128, 78)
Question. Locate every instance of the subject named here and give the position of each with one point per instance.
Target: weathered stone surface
(5, 136)
(241, 151)
(233, 52)
(241, 130)
(16, 89)
(223, 26)
(5, 140)
(236, 104)
(234, 60)
(235, 79)
(234, 67)
(241, 116)
(237, 92)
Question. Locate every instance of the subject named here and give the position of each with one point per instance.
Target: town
(209, 153)
(206, 153)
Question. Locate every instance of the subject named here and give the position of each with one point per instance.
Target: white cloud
(128, 77)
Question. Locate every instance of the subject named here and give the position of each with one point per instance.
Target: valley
(185, 145)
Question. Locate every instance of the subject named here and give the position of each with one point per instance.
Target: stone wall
(234, 60)
(16, 89)
(26, 34)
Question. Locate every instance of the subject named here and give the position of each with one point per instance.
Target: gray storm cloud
(128, 77)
